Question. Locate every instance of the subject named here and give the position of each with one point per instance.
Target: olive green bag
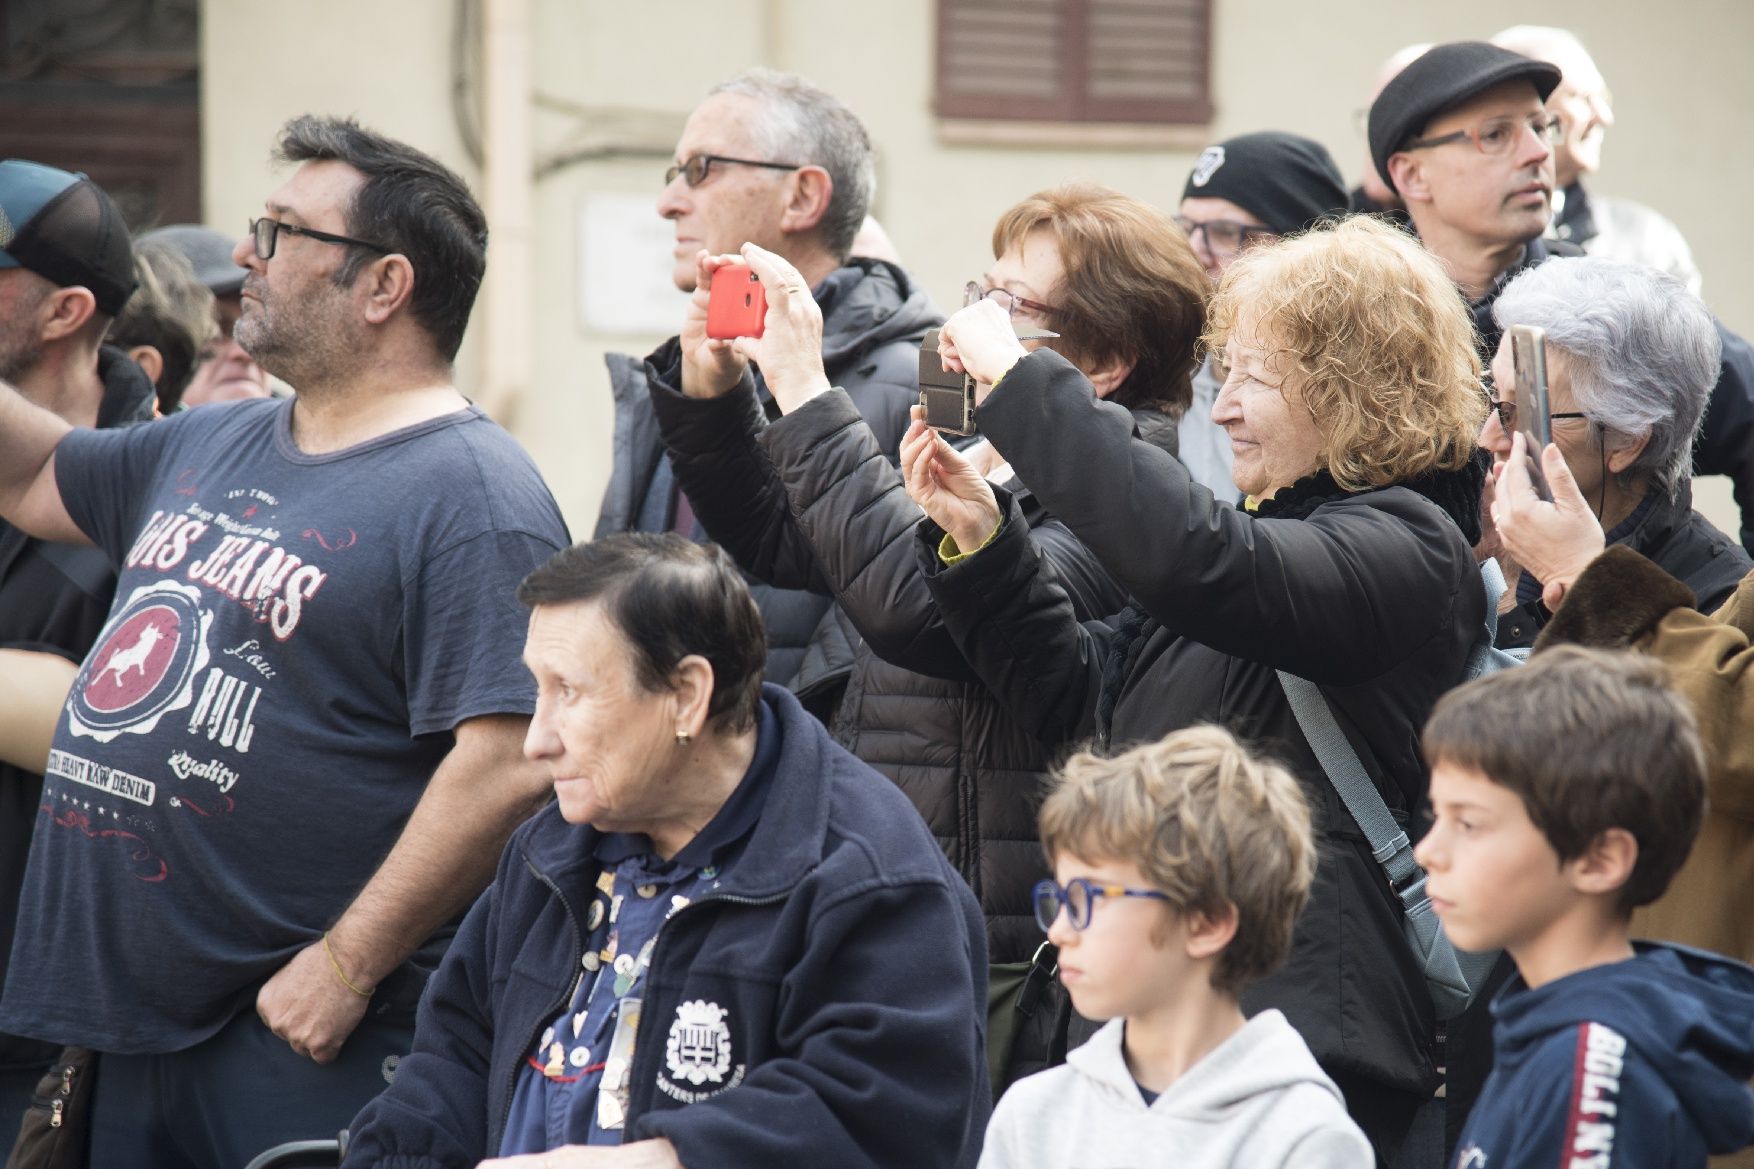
(1025, 1025)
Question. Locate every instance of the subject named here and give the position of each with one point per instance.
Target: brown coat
(1623, 600)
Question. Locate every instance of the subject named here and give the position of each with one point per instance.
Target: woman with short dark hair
(727, 942)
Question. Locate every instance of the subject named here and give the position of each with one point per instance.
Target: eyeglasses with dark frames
(1078, 898)
(1497, 135)
(699, 166)
(265, 233)
(1506, 412)
(1224, 236)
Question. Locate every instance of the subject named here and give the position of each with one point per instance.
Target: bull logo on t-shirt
(143, 666)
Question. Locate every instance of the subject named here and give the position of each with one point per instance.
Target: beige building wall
(1682, 87)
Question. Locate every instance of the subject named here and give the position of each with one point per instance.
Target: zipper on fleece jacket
(578, 954)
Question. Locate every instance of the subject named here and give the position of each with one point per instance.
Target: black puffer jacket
(873, 319)
(1374, 596)
(1674, 537)
(812, 501)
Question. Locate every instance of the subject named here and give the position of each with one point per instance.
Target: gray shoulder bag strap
(1452, 976)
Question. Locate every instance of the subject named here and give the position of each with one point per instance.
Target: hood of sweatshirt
(1688, 1013)
(1266, 1056)
(868, 303)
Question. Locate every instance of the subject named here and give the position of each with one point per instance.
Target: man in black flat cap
(1464, 136)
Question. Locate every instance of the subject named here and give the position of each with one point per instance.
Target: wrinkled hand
(789, 350)
(652, 1154)
(1555, 541)
(980, 340)
(947, 487)
(711, 368)
(306, 1005)
(1491, 545)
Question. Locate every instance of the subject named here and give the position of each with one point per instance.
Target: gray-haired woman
(1631, 360)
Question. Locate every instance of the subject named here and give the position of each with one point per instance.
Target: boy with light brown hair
(1566, 794)
(1180, 868)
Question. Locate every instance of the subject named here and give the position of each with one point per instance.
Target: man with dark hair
(772, 160)
(1463, 134)
(65, 271)
(287, 765)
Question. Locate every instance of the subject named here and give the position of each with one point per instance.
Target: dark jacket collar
(1457, 493)
(866, 303)
(789, 837)
(1576, 221)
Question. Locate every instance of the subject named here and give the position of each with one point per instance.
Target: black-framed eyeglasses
(1078, 898)
(1224, 236)
(1013, 304)
(699, 166)
(1498, 135)
(1506, 412)
(265, 233)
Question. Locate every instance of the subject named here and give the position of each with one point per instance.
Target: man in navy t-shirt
(293, 755)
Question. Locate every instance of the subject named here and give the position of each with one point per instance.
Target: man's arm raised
(29, 497)
(445, 856)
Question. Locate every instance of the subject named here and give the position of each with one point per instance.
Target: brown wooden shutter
(1075, 60)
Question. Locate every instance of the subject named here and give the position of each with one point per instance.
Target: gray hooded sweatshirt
(1258, 1099)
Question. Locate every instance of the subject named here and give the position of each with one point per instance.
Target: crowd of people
(1086, 790)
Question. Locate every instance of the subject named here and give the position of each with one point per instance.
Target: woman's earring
(683, 738)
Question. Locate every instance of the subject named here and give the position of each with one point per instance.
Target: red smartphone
(737, 304)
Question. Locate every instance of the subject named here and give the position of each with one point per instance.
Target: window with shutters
(1111, 61)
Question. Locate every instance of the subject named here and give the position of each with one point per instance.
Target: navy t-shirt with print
(292, 640)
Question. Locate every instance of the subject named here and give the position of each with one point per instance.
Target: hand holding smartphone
(736, 304)
(947, 399)
(1528, 357)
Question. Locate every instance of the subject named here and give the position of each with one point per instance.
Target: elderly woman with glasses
(813, 500)
(1352, 400)
(1631, 360)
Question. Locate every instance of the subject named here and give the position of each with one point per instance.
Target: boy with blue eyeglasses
(1180, 868)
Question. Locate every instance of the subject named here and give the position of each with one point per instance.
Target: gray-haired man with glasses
(767, 158)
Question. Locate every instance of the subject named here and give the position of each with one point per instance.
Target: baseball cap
(64, 228)
(1284, 180)
(208, 252)
(1443, 77)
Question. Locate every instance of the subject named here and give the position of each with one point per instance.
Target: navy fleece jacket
(1642, 1063)
(838, 979)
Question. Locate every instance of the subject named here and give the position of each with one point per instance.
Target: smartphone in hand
(1528, 358)
(946, 398)
(737, 303)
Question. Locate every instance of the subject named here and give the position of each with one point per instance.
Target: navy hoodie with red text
(1641, 1063)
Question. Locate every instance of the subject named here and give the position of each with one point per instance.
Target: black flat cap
(1442, 78)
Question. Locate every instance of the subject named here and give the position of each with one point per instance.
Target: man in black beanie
(1256, 186)
(1464, 136)
(1243, 190)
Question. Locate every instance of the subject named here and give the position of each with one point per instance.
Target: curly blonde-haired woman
(1352, 400)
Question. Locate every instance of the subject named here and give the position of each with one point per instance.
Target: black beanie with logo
(1286, 181)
